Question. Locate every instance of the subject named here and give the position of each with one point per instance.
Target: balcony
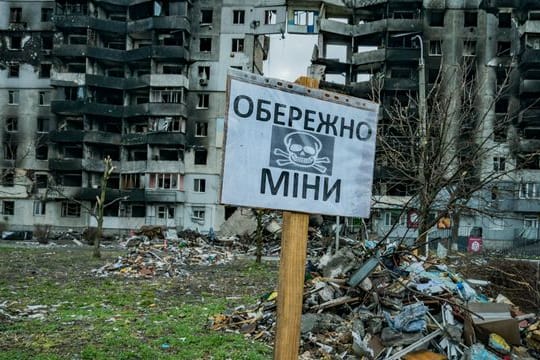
(104, 109)
(165, 166)
(157, 51)
(169, 80)
(528, 86)
(106, 25)
(155, 109)
(530, 58)
(134, 139)
(527, 205)
(528, 145)
(68, 50)
(132, 166)
(71, 21)
(400, 84)
(66, 107)
(66, 136)
(105, 81)
(371, 28)
(529, 117)
(166, 138)
(101, 137)
(66, 164)
(106, 54)
(87, 193)
(94, 165)
(167, 196)
(175, 22)
(68, 79)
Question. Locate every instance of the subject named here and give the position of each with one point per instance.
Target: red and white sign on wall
(294, 148)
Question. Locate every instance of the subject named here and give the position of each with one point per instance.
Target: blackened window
(16, 42)
(46, 42)
(14, 70)
(42, 152)
(45, 71)
(43, 125)
(46, 14)
(206, 16)
(205, 44)
(41, 181)
(12, 124)
(200, 156)
(470, 19)
(15, 15)
(505, 20)
(503, 48)
(436, 18)
(8, 207)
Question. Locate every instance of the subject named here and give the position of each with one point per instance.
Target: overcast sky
(289, 58)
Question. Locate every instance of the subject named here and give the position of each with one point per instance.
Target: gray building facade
(366, 39)
(140, 81)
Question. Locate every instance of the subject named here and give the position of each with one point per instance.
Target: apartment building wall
(497, 38)
(141, 81)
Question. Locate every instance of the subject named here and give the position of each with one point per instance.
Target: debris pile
(391, 304)
(167, 257)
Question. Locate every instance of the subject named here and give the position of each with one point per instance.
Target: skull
(303, 148)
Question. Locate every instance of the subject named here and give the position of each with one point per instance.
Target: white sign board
(293, 148)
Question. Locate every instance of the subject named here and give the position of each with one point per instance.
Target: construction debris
(12, 311)
(165, 258)
(390, 304)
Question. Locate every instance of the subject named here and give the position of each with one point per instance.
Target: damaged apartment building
(362, 40)
(142, 82)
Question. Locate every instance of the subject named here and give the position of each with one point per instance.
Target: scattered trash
(375, 302)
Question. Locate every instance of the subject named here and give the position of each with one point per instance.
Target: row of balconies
(175, 22)
(144, 53)
(370, 28)
(96, 165)
(79, 107)
(133, 195)
(130, 83)
(102, 137)
(519, 205)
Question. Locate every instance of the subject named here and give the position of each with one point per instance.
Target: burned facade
(140, 81)
(401, 47)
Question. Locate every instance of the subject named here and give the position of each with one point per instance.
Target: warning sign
(293, 148)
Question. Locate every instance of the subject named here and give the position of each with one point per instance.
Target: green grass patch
(121, 318)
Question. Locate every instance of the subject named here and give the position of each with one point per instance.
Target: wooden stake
(291, 285)
(291, 275)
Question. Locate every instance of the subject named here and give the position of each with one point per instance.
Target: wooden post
(291, 275)
(291, 285)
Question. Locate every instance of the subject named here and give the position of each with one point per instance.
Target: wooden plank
(291, 275)
(291, 285)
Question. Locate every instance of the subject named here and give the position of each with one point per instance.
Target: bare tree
(434, 148)
(97, 211)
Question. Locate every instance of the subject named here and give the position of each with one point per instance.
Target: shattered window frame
(8, 207)
(70, 209)
(46, 14)
(198, 214)
(14, 70)
(201, 129)
(12, 124)
(15, 42)
(15, 15)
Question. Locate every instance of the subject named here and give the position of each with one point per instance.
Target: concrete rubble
(399, 306)
(166, 255)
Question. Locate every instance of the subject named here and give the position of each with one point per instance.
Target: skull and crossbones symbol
(302, 150)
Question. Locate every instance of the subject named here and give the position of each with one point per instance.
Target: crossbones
(302, 150)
